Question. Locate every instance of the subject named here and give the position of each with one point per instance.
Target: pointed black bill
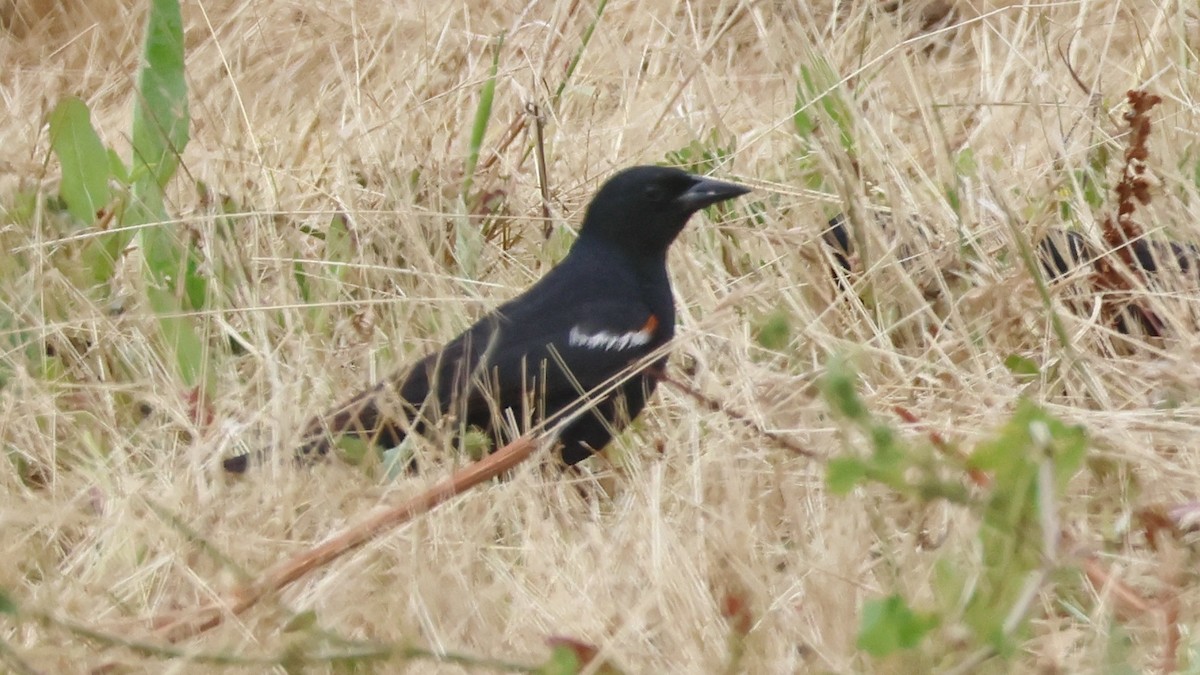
(708, 191)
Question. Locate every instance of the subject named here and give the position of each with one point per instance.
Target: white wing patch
(607, 341)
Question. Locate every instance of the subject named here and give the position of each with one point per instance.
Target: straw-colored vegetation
(329, 200)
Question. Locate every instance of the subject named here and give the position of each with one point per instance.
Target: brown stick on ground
(175, 628)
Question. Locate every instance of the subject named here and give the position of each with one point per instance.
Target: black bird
(604, 307)
(1062, 252)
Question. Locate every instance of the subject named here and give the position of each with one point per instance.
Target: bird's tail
(361, 417)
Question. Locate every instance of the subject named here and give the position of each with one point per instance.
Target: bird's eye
(655, 193)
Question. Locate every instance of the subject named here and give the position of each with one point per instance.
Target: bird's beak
(707, 192)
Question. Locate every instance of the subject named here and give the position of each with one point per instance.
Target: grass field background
(327, 188)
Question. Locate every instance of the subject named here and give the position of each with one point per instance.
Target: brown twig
(539, 157)
(174, 627)
(384, 519)
(1066, 58)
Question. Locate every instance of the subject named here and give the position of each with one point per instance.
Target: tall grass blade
(483, 115)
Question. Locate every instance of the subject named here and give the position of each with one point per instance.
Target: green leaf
(562, 661)
(356, 450)
(195, 284)
(1118, 651)
(803, 121)
(953, 199)
(1031, 434)
(889, 625)
(301, 622)
(839, 387)
(338, 244)
(843, 473)
(117, 168)
(774, 333)
(179, 336)
(159, 135)
(1020, 365)
(1011, 536)
(7, 606)
(965, 164)
(302, 285)
(883, 443)
(818, 89)
(99, 258)
(160, 113)
(1070, 444)
(160, 132)
(84, 159)
(702, 156)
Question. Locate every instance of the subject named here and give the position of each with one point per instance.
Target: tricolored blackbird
(607, 305)
(1061, 252)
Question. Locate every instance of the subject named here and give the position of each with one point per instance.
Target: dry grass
(303, 109)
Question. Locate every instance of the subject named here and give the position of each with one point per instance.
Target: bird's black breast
(592, 315)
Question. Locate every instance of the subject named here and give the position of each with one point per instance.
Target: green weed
(1020, 473)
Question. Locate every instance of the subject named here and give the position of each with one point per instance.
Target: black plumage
(607, 305)
(1062, 253)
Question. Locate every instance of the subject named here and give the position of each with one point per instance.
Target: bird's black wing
(566, 362)
(517, 358)
(535, 354)
(573, 350)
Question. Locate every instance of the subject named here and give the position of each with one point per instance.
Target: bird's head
(642, 209)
